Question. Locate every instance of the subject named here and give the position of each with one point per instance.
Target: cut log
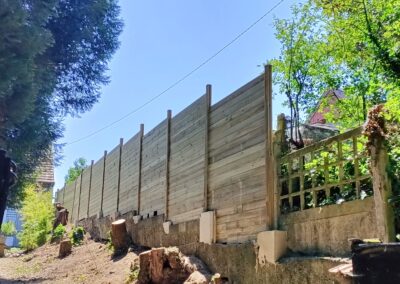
(169, 265)
(65, 248)
(119, 236)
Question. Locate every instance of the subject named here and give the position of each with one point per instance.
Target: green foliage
(133, 273)
(109, 243)
(53, 56)
(59, 232)
(341, 44)
(76, 170)
(8, 228)
(37, 216)
(77, 235)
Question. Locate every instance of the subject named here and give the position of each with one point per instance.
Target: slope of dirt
(88, 263)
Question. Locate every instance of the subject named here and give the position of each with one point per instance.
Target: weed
(133, 273)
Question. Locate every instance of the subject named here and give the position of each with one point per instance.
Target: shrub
(77, 235)
(59, 232)
(37, 216)
(8, 228)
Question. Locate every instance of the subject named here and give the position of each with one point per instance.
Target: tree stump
(65, 248)
(119, 236)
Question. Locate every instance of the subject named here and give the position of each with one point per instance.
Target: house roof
(317, 117)
(46, 173)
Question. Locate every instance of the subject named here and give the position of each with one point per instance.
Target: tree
(37, 214)
(53, 58)
(366, 34)
(303, 70)
(75, 171)
(354, 39)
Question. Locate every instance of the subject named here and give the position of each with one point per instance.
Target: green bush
(8, 228)
(59, 232)
(77, 236)
(37, 215)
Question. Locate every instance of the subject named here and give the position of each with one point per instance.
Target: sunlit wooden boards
(69, 198)
(153, 173)
(236, 157)
(186, 165)
(110, 191)
(129, 179)
(75, 210)
(96, 188)
(84, 194)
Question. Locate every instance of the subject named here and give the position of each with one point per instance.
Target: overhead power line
(177, 82)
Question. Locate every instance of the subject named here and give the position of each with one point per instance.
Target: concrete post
(382, 190)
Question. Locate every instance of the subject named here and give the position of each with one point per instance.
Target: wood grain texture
(111, 182)
(236, 189)
(95, 191)
(129, 175)
(84, 193)
(187, 159)
(153, 171)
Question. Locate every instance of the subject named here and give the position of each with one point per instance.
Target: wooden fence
(207, 157)
(331, 171)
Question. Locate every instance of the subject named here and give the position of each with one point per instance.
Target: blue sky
(161, 42)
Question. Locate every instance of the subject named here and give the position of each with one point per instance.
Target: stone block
(136, 219)
(207, 225)
(272, 246)
(166, 226)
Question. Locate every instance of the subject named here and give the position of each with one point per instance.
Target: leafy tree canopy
(53, 59)
(352, 45)
(75, 171)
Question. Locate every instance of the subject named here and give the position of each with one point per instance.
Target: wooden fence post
(73, 204)
(169, 115)
(90, 187)
(280, 146)
(269, 155)
(382, 190)
(80, 193)
(121, 143)
(140, 167)
(206, 137)
(102, 184)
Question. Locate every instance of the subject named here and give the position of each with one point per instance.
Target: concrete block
(272, 246)
(166, 226)
(207, 227)
(136, 219)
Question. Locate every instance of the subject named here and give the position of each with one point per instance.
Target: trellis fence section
(204, 158)
(331, 171)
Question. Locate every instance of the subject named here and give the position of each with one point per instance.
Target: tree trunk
(119, 235)
(65, 248)
(4, 182)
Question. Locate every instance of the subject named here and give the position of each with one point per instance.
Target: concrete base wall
(238, 264)
(147, 232)
(235, 262)
(326, 230)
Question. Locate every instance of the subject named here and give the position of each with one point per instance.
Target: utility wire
(179, 80)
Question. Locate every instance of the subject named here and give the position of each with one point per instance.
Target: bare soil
(91, 262)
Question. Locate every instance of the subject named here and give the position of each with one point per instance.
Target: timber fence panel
(187, 158)
(75, 211)
(236, 156)
(111, 173)
(96, 187)
(129, 176)
(84, 193)
(69, 196)
(153, 171)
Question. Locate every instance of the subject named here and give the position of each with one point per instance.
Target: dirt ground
(91, 262)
